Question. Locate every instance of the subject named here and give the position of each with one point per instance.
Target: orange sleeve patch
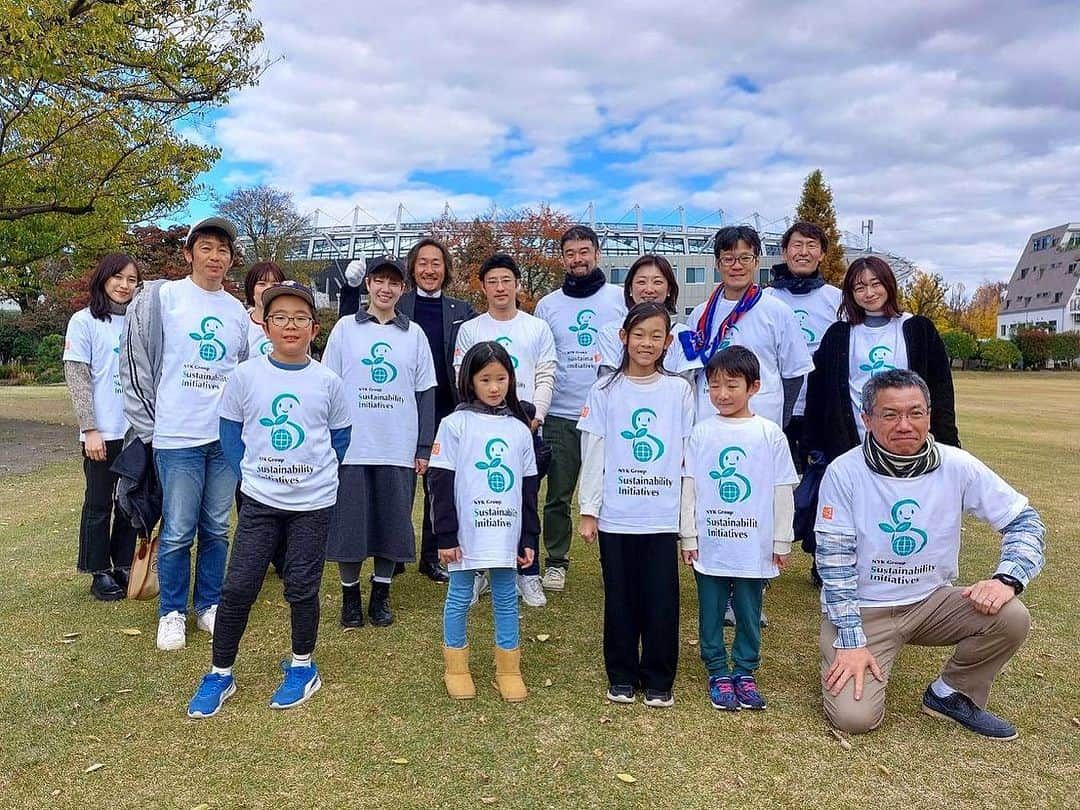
(584, 411)
(436, 449)
(826, 512)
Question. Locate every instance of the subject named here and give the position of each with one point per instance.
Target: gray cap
(211, 222)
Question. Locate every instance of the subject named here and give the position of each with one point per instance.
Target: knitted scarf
(696, 342)
(583, 286)
(891, 465)
(784, 279)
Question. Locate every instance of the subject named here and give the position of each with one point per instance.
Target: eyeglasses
(745, 260)
(280, 319)
(892, 417)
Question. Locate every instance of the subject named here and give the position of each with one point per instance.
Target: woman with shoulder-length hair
(872, 336)
(92, 370)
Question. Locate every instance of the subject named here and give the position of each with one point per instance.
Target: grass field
(382, 733)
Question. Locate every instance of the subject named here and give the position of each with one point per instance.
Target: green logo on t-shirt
(284, 434)
(499, 476)
(265, 346)
(905, 538)
(505, 342)
(116, 348)
(876, 360)
(734, 486)
(586, 332)
(382, 370)
(729, 335)
(801, 315)
(645, 446)
(210, 348)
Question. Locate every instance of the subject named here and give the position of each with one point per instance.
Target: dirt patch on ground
(26, 446)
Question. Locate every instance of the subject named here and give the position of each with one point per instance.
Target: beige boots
(508, 681)
(459, 683)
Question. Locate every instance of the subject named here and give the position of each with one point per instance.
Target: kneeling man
(888, 533)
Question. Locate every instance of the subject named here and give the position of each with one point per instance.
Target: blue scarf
(696, 342)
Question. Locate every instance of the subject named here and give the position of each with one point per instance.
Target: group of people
(684, 442)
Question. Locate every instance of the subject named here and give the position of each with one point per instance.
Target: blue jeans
(503, 606)
(197, 492)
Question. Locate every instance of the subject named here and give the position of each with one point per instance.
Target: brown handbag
(143, 581)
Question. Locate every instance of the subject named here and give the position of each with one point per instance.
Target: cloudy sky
(954, 125)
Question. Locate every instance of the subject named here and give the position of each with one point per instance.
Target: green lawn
(382, 733)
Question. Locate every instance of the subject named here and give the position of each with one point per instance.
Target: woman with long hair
(92, 370)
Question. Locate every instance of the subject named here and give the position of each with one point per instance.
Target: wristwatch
(1012, 582)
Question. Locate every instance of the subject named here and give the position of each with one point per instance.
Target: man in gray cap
(181, 342)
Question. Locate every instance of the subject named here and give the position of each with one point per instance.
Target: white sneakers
(171, 631)
(172, 628)
(554, 579)
(531, 591)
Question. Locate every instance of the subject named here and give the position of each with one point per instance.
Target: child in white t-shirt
(482, 485)
(743, 478)
(634, 428)
(285, 427)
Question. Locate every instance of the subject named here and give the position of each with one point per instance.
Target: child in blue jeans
(482, 485)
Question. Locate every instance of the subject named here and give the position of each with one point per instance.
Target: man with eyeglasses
(888, 543)
(738, 314)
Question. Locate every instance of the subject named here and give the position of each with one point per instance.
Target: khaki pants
(984, 644)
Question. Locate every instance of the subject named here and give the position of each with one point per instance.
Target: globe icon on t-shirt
(643, 451)
(584, 338)
(496, 481)
(208, 352)
(904, 545)
(729, 492)
(281, 439)
(379, 374)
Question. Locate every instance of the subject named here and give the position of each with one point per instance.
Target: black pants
(641, 606)
(102, 548)
(429, 547)
(259, 531)
(794, 433)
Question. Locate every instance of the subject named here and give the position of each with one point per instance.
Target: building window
(695, 275)
(1023, 272)
(1003, 327)
(618, 274)
(1006, 303)
(1057, 298)
(687, 310)
(716, 275)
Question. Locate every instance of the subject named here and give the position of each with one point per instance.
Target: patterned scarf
(696, 342)
(891, 465)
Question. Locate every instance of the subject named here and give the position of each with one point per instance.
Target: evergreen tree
(816, 206)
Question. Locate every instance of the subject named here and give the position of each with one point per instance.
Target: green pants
(564, 439)
(713, 593)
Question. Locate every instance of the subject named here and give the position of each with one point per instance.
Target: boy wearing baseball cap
(284, 424)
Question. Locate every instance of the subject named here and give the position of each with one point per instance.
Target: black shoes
(105, 589)
(960, 709)
(434, 572)
(379, 605)
(121, 577)
(352, 609)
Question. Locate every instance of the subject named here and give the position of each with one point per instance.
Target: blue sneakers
(722, 694)
(747, 694)
(300, 683)
(960, 709)
(213, 691)
(620, 693)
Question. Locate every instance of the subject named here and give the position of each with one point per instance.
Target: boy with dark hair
(742, 507)
(284, 425)
(385, 362)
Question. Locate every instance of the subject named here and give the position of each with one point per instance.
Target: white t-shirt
(287, 414)
(97, 343)
(815, 311)
(872, 350)
(204, 332)
(258, 343)
(575, 324)
(907, 530)
(736, 465)
(644, 426)
(611, 348)
(527, 339)
(771, 332)
(490, 457)
(383, 367)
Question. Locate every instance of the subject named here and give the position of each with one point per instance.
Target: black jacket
(454, 313)
(138, 492)
(829, 424)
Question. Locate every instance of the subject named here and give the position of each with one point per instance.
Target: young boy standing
(385, 362)
(284, 426)
(743, 505)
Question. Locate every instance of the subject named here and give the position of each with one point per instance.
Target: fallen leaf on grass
(55, 793)
(692, 642)
(130, 631)
(605, 720)
(1040, 675)
(489, 799)
(625, 777)
(68, 640)
(884, 770)
(124, 691)
(598, 753)
(543, 636)
(1076, 721)
(97, 766)
(400, 761)
(547, 681)
(740, 781)
(70, 635)
(840, 739)
(203, 806)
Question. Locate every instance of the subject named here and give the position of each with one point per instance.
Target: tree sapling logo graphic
(499, 477)
(586, 332)
(284, 433)
(210, 348)
(505, 342)
(876, 360)
(645, 446)
(801, 315)
(382, 370)
(734, 486)
(905, 538)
